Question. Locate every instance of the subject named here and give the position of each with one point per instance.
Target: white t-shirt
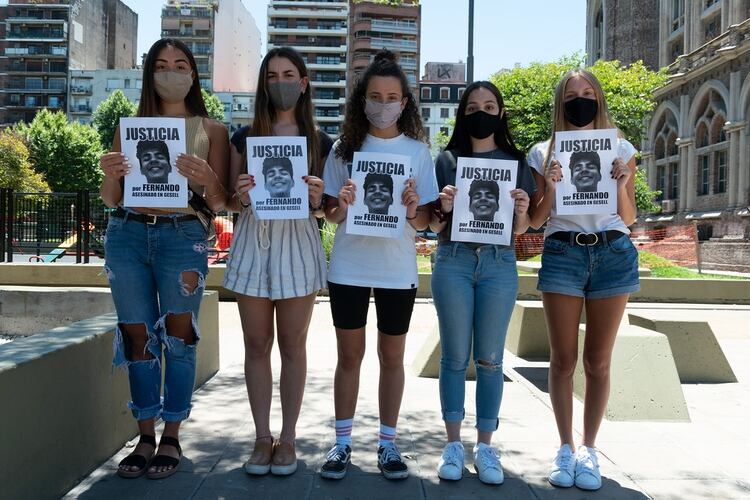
(372, 261)
(592, 223)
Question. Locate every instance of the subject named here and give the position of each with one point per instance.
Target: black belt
(586, 239)
(150, 218)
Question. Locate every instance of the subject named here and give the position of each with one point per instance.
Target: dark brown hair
(150, 101)
(265, 112)
(356, 124)
(460, 140)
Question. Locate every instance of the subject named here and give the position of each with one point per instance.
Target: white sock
(344, 431)
(387, 435)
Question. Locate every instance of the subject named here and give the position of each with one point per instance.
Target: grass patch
(423, 264)
(665, 268)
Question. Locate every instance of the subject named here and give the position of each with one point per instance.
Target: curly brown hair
(356, 124)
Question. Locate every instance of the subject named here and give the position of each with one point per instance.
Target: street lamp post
(470, 58)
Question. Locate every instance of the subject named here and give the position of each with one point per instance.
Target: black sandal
(139, 461)
(166, 460)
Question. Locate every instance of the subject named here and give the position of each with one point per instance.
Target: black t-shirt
(238, 141)
(445, 171)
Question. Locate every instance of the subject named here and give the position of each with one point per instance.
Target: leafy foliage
(213, 105)
(15, 170)
(67, 154)
(107, 116)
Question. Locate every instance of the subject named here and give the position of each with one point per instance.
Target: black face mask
(581, 111)
(481, 124)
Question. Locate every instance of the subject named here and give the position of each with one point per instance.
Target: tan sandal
(284, 460)
(259, 462)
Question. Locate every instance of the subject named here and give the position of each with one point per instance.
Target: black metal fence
(45, 227)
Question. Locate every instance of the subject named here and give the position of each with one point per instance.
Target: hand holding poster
(586, 158)
(153, 144)
(377, 209)
(483, 208)
(278, 164)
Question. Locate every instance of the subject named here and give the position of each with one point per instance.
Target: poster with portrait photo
(483, 208)
(587, 186)
(152, 145)
(377, 210)
(278, 164)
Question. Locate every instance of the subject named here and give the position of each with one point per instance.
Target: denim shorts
(593, 272)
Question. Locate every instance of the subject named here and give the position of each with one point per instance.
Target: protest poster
(377, 210)
(278, 164)
(152, 145)
(587, 186)
(483, 208)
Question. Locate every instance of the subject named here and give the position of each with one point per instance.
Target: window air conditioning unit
(668, 206)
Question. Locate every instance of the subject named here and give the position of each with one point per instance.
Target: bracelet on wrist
(411, 218)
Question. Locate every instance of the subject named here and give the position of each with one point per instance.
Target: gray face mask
(172, 86)
(284, 95)
(382, 115)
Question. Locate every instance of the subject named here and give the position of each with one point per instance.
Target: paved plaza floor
(704, 458)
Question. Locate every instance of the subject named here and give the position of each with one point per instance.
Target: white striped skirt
(276, 259)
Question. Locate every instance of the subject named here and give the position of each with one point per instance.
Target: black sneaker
(390, 462)
(337, 460)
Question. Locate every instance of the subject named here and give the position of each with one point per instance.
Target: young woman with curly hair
(381, 116)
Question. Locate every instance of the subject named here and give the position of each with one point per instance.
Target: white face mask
(172, 86)
(382, 115)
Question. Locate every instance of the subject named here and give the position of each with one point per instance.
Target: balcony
(55, 35)
(328, 102)
(34, 20)
(80, 109)
(395, 27)
(273, 30)
(328, 84)
(342, 12)
(80, 89)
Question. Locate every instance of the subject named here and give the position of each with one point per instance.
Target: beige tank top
(198, 144)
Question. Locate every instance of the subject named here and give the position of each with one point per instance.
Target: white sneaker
(487, 464)
(563, 471)
(587, 469)
(451, 464)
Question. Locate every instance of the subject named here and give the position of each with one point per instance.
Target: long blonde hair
(559, 123)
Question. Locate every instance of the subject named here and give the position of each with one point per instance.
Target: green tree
(67, 154)
(213, 105)
(15, 170)
(107, 116)
(529, 93)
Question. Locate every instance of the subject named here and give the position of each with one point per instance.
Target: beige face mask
(172, 86)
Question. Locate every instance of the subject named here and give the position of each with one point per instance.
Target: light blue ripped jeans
(474, 293)
(145, 265)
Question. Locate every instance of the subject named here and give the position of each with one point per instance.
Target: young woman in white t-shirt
(587, 259)
(381, 116)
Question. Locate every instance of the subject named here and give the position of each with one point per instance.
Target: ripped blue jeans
(474, 291)
(145, 265)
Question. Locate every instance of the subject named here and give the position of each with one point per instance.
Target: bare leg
(351, 350)
(292, 320)
(603, 318)
(256, 315)
(391, 388)
(562, 313)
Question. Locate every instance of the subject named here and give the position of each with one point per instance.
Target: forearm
(422, 219)
(521, 223)
(111, 192)
(334, 213)
(216, 197)
(539, 214)
(626, 205)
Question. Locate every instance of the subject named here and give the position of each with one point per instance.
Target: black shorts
(349, 306)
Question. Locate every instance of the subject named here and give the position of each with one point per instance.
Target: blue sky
(506, 32)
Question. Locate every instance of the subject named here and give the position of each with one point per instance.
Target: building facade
(375, 26)
(239, 109)
(88, 88)
(318, 31)
(625, 30)
(440, 91)
(41, 42)
(697, 146)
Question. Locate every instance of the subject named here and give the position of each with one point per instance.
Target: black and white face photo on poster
(278, 176)
(484, 200)
(483, 208)
(279, 164)
(586, 158)
(153, 158)
(585, 171)
(380, 179)
(378, 190)
(153, 145)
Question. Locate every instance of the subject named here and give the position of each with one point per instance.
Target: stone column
(648, 163)
(743, 184)
(687, 182)
(734, 130)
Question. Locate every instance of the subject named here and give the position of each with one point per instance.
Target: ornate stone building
(697, 145)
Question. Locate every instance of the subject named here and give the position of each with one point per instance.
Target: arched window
(667, 157)
(711, 145)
